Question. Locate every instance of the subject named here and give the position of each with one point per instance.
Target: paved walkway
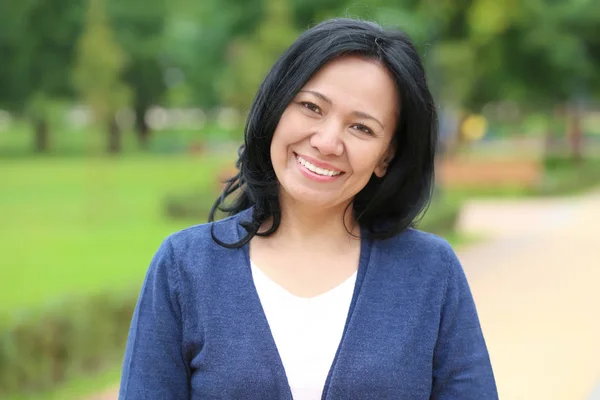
(536, 285)
(536, 282)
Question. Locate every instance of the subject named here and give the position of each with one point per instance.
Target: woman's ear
(382, 168)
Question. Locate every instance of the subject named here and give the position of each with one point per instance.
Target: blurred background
(120, 119)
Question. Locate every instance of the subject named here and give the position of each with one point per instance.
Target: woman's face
(336, 133)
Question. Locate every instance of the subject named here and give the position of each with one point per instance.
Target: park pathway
(536, 283)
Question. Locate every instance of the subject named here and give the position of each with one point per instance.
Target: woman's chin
(314, 200)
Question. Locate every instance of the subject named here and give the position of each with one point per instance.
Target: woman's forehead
(358, 83)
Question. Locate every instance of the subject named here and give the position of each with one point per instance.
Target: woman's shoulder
(425, 252)
(194, 249)
(418, 241)
(201, 235)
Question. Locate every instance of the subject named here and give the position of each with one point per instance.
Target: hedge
(81, 335)
(193, 205)
(565, 176)
(441, 216)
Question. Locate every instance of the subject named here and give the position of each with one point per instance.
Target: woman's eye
(311, 106)
(363, 128)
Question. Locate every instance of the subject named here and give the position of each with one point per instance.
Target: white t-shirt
(307, 331)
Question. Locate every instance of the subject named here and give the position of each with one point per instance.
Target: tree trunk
(141, 128)
(41, 141)
(114, 137)
(575, 133)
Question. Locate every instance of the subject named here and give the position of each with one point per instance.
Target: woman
(316, 286)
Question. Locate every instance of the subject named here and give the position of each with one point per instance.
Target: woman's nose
(327, 139)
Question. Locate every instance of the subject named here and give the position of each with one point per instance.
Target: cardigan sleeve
(154, 366)
(461, 364)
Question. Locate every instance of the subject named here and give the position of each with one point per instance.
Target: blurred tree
(139, 30)
(197, 37)
(308, 13)
(540, 54)
(37, 47)
(97, 73)
(250, 59)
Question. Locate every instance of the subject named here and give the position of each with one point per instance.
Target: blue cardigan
(199, 331)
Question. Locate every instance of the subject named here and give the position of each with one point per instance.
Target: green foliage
(441, 216)
(78, 387)
(487, 19)
(457, 59)
(37, 50)
(188, 205)
(565, 177)
(540, 33)
(188, 52)
(252, 58)
(36, 42)
(308, 13)
(41, 349)
(100, 62)
(139, 30)
(196, 38)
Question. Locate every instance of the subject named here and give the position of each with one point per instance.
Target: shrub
(441, 216)
(565, 176)
(189, 206)
(195, 204)
(42, 348)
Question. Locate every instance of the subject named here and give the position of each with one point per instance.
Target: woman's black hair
(385, 206)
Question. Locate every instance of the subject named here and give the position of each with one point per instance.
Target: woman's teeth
(317, 170)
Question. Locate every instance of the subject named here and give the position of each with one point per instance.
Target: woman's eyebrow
(319, 95)
(362, 114)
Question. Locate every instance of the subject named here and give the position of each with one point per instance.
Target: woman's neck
(305, 225)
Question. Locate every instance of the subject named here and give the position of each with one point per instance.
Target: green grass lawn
(81, 225)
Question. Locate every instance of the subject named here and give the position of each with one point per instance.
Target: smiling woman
(316, 285)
